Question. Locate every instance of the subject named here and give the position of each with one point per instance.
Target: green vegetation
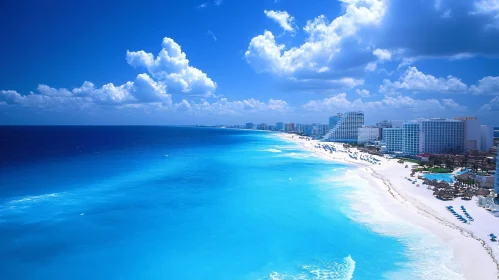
(409, 160)
(433, 169)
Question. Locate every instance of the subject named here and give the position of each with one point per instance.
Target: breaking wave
(326, 271)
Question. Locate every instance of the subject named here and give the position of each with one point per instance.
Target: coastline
(476, 256)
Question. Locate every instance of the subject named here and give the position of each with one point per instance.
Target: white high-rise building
(472, 133)
(333, 121)
(369, 134)
(487, 137)
(393, 139)
(440, 136)
(496, 185)
(347, 127)
(411, 138)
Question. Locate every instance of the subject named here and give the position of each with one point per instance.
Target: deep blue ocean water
(177, 203)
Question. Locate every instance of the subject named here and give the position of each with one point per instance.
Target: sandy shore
(475, 254)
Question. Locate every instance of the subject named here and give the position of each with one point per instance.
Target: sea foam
(330, 271)
(429, 257)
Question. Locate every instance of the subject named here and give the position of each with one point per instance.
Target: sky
(234, 61)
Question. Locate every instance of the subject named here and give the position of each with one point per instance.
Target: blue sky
(233, 61)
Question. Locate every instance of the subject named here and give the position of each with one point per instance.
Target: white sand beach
(473, 251)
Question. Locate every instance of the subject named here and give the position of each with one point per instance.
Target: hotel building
(411, 138)
(487, 137)
(392, 137)
(496, 185)
(347, 127)
(431, 136)
(369, 134)
(441, 136)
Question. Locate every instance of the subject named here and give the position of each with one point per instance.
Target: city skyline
(208, 62)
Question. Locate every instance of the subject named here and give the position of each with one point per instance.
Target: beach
(474, 254)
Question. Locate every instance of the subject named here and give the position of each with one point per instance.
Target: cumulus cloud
(236, 108)
(389, 107)
(382, 55)
(282, 18)
(488, 85)
(143, 90)
(363, 92)
(171, 68)
(330, 50)
(416, 81)
(454, 29)
(491, 106)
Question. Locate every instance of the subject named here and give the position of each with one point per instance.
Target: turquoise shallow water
(181, 203)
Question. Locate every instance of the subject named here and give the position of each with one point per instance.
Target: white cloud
(143, 90)
(363, 92)
(416, 81)
(487, 7)
(492, 105)
(218, 2)
(387, 107)
(382, 55)
(203, 5)
(370, 67)
(282, 18)
(171, 68)
(487, 85)
(235, 108)
(322, 47)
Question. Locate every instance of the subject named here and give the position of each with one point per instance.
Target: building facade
(289, 127)
(347, 128)
(441, 136)
(333, 121)
(279, 126)
(487, 137)
(249, 126)
(496, 185)
(472, 134)
(368, 134)
(411, 138)
(393, 139)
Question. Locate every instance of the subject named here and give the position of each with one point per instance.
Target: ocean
(150, 202)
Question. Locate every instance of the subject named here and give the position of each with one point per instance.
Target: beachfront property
(333, 121)
(390, 124)
(429, 136)
(496, 185)
(487, 137)
(411, 138)
(279, 126)
(442, 136)
(477, 137)
(289, 127)
(249, 126)
(392, 137)
(369, 134)
(347, 128)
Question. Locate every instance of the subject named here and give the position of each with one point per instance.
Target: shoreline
(474, 253)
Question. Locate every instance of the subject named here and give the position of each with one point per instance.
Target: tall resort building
(496, 185)
(333, 121)
(441, 136)
(392, 137)
(369, 134)
(472, 134)
(487, 137)
(347, 128)
(429, 136)
(279, 126)
(411, 138)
